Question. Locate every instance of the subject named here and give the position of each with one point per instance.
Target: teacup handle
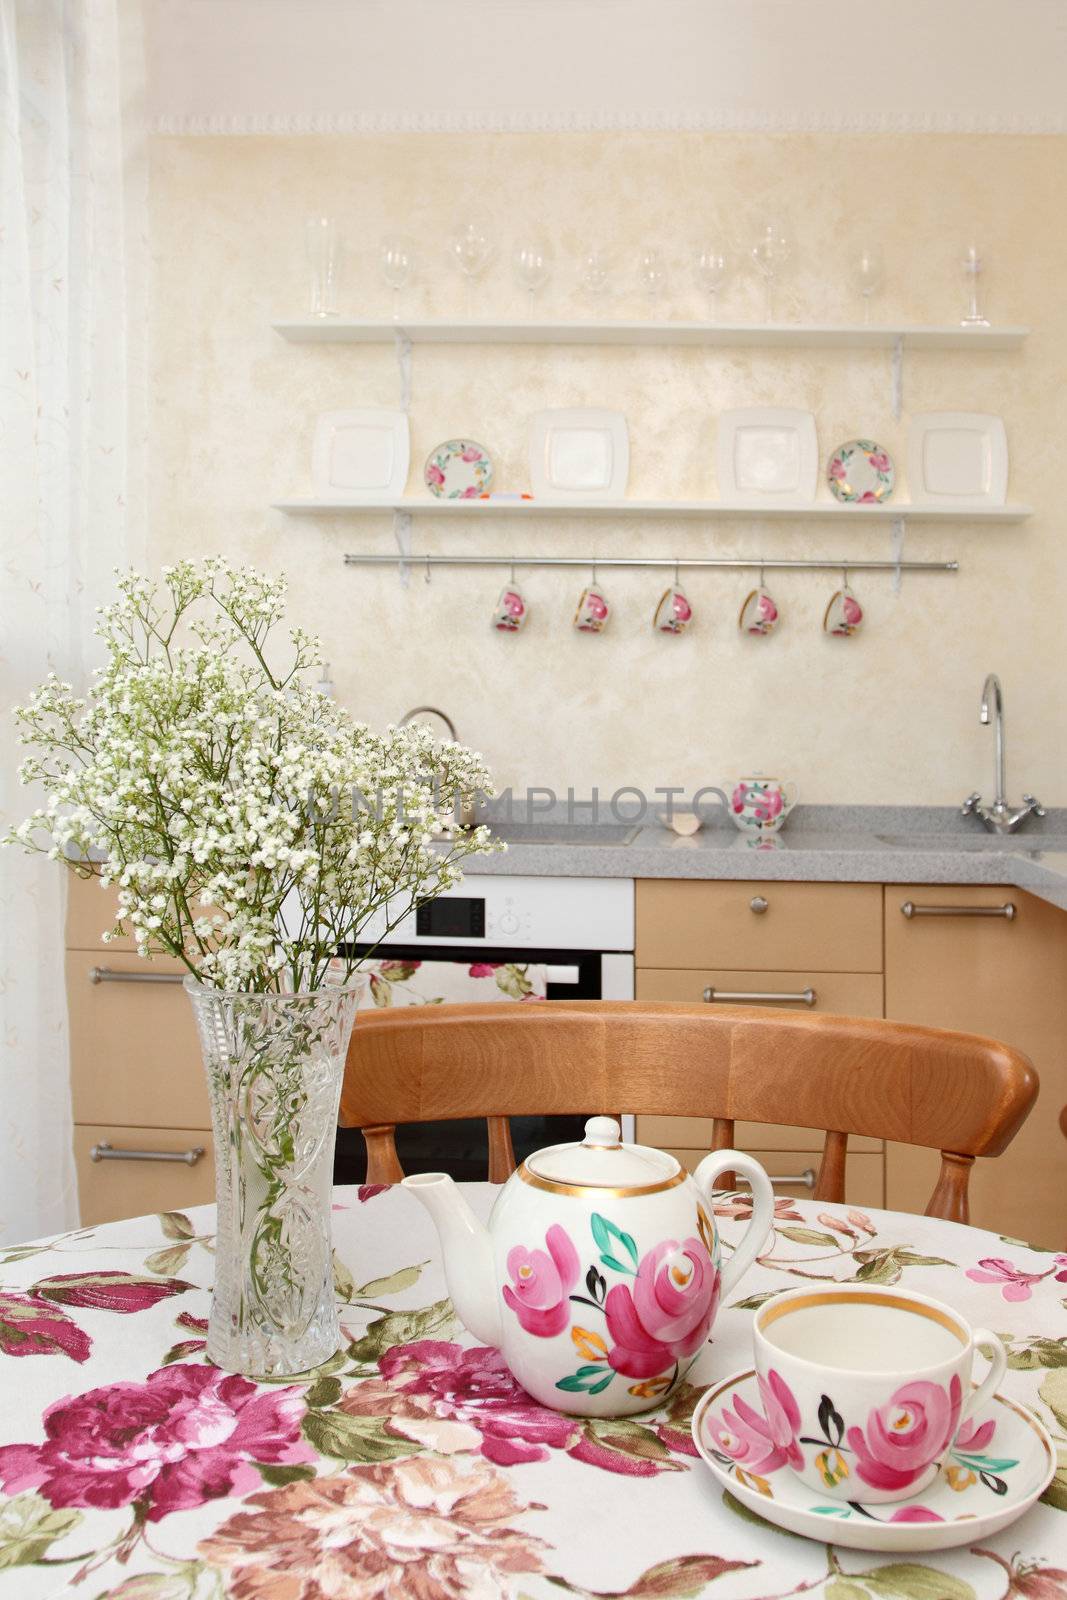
(754, 1236)
(791, 797)
(998, 1365)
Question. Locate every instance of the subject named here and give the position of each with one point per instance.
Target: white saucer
(1019, 1458)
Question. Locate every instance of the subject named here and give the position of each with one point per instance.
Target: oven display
(452, 917)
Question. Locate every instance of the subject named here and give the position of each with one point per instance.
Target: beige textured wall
(888, 716)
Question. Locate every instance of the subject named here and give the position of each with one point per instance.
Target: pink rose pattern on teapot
(650, 1317)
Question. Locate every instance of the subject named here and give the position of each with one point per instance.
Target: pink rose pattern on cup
(843, 614)
(673, 613)
(510, 613)
(896, 1445)
(653, 1324)
(759, 614)
(592, 613)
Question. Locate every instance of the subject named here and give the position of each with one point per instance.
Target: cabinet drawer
(848, 994)
(864, 1174)
(134, 1055)
(110, 1190)
(822, 927)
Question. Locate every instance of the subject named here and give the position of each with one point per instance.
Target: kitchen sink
(951, 842)
(580, 833)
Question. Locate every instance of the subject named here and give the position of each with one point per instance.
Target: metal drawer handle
(802, 1180)
(757, 997)
(107, 1152)
(109, 975)
(1007, 911)
(758, 904)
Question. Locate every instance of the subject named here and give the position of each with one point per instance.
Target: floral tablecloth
(411, 1466)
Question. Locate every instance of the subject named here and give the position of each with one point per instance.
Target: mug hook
(761, 574)
(511, 579)
(676, 574)
(428, 576)
(594, 575)
(844, 577)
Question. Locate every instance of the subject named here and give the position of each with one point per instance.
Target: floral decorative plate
(861, 472)
(459, 469)
(998, 1467)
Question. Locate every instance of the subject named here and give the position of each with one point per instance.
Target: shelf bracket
(896, 379)
(402, 535)
(897, 551)
(403, 361)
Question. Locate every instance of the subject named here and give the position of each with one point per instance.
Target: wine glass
(771, 250)
(712, 266)
(396, 257)
(973, 267)
(323, 253)
(532, 263)
(868, 275)
(594, 271)
(470, 248)
(652, 273)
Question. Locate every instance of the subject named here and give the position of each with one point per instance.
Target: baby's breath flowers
(250, 824)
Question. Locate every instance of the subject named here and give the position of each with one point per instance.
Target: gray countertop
(861, 844)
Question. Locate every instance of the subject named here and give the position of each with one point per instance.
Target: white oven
(576, 934)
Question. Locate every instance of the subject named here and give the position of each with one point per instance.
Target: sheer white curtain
(66, 472)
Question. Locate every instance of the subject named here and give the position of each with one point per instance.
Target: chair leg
(383, 1163)
(949, 1199)
(722, 1138)
(830, 1184)
(501, 1150)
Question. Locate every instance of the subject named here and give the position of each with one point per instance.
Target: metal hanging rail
(736, 563)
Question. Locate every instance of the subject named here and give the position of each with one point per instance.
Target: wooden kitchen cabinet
(109, 1190)
(784, 925)
(1007, 979)
(748, 925)
(137, 1077)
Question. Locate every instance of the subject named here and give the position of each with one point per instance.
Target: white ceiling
(302, 65)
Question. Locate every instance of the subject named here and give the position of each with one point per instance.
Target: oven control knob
(509, 922)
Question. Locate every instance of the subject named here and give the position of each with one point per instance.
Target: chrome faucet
(1000, 817)
(468, 817)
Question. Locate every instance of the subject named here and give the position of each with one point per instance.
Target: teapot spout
(468, 1253)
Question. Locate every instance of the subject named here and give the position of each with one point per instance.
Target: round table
(411, 1466)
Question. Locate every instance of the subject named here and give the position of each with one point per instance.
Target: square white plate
(767, 453)
(579, 451)
(958, 458)
(361, 453)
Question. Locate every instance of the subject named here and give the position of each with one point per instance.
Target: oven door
(461, 1147)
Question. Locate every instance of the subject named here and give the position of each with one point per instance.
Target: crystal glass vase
(274, 1067)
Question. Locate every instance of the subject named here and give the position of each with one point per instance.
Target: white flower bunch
(251, 824)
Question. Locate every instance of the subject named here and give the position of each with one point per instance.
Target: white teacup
(865, 1389)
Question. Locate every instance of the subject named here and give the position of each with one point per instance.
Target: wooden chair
(958, 1093)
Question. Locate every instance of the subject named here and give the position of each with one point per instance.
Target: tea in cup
(759, 805)
(865, 1389)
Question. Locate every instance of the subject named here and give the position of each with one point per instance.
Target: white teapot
(599, 1274)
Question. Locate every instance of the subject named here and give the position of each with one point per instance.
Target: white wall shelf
(338, 330)
(811, 511)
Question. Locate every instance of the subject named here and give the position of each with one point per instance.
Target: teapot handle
(755, 1235)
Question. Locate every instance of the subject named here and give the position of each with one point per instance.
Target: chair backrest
(958, 1093)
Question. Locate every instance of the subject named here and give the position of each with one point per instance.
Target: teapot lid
(602, 1161)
